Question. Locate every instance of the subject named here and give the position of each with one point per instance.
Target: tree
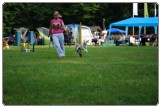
(33, 15)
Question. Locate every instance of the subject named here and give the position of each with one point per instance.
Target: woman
(56, 31)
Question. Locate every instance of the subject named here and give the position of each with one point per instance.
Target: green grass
(104, 76)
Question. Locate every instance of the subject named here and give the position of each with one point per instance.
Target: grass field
(104, 76)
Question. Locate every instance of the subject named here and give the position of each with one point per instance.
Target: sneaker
(61, 57)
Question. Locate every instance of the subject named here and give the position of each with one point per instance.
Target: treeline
(33, 15)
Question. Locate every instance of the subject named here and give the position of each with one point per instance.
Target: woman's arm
(50, 30)
(64, 27)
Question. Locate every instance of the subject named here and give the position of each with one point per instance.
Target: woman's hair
(57, 13)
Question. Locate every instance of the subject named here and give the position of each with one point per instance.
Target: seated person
(101, 40)
(95, 38)
(121, 40)
(70, 35)
(103, 37)
(104, 33)
(143, 40)
(152, 39)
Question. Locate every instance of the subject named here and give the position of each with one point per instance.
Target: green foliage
(32, 15)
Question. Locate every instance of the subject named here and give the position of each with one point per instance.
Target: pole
(145, 14)
(80, 36)
(135, 11)
(80, 39)
(33, 46)
(20, 38)
(133, 28)
(103, 23)
(155, 10)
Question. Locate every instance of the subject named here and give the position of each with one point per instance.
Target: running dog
(81, 47)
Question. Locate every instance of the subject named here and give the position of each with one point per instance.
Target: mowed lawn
(123, 75)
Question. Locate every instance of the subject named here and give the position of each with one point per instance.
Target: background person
(70, 37)
(95, 38)
(152, 39)
(66, 33)
(104, 33)
(121, 40)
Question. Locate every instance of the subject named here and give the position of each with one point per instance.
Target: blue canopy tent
(115, 30)
(137, 22)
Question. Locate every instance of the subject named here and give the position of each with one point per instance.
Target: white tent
(86, 33)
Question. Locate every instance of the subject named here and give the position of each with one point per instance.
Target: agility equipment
(79, 45)
(27, 46)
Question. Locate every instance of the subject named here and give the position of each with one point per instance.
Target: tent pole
(133, 27)
(133, 30)
(139, 33)
(155, 29)
(109, 33)
(144, 30)
(126, 29)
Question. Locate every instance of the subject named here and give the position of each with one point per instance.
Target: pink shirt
(56, 26)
